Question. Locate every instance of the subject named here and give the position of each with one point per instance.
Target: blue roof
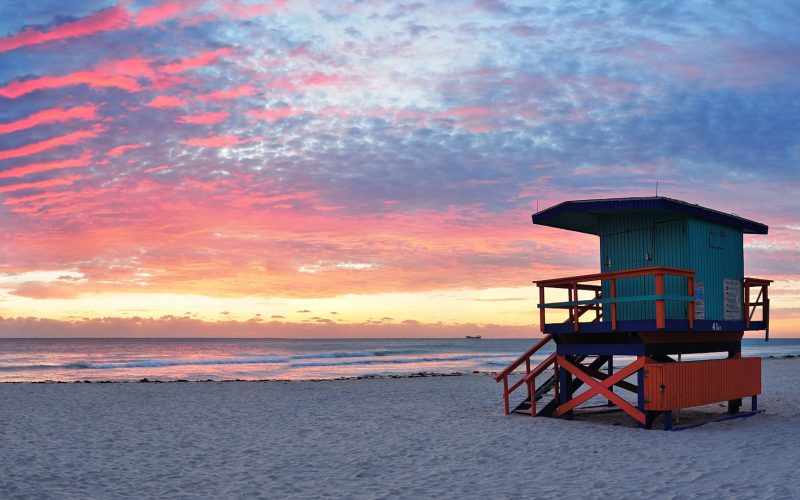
(583, 215)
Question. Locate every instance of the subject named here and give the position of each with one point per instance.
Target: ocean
(121, 360)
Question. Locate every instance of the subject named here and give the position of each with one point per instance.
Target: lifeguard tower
(671, 282)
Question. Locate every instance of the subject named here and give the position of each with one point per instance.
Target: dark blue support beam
(565, 389)
(649, 325)
(640, 349)
(734, 404)
(640, 382)
(600, 349)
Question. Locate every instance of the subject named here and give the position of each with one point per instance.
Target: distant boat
(473, 336)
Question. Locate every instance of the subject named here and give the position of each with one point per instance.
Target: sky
(368, 168)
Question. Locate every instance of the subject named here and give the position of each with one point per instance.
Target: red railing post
(613, 284)
(506, 409)
(747, 304)
(541, 311)
(690, 306)
(597, 306)
(531, 392)
(765, 310)
(660, 308)
(555, 379)
(575, 299)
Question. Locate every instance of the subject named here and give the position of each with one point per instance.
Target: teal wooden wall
(717, 254)
(713, 251)
(627, 240)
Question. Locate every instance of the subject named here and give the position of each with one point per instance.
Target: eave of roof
(583, 215)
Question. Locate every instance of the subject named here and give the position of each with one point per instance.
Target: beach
(419, 437)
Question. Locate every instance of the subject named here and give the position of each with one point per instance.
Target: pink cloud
(134, 66)
(92, 78)
(204, 118)
(232, 93)
(318, 78)
(244, 11)
(104, 20)
(271, 115)
(35, 168)
(467, 111)
(53, 115)
(198, 61)
(166, 101)
(158, 13)
(48, 183)
(110, 19)
(220, 141)
(121, 150)
(55, 142)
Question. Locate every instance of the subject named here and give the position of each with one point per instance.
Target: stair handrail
(530, 378)
(541, 367)
(524, 358)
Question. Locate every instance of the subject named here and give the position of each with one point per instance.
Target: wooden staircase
(548, 388)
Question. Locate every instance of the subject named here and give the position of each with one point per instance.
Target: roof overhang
(584, 215)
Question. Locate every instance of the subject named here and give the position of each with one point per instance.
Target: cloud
(271, 115)
(160, 12)
(198, 61)
(209, 118)
(95, 79)
(267, 152)
(124, 148)
(47, 116)
(165, 101)
(222, 141)
(104, 20)
(41, 290)
(35, 168)
(55, 142)
(49, 183)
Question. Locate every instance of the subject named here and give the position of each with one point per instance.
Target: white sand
(441, 437)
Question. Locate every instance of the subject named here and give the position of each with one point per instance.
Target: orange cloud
(87, 112)
(39, 290)
(35, 168)
(55, 142)
(105, 20)
(166, 101)
(204, 118)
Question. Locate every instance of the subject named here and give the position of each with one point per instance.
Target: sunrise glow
(369, 168)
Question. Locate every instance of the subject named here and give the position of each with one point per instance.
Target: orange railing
(577, 307)
(527, 378)
(762, 300)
